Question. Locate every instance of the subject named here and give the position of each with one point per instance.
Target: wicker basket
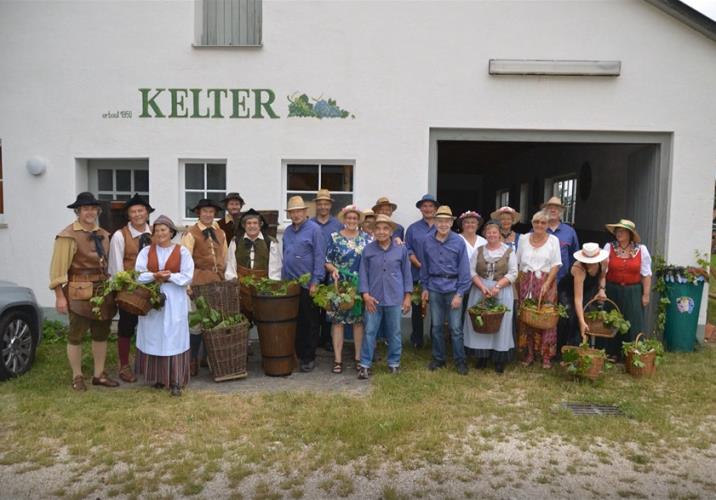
(346, 306)
(596, 327)
(222, 295)
(490, 322)
(598, 359)
(136, 302)
(544, 318)
(227, 350)
(649, 360)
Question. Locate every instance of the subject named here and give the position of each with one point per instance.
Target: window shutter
(231, 22)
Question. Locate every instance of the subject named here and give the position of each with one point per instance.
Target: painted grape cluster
(301, 106)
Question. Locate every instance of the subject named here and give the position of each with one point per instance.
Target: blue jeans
(439, 308)
(389, 318)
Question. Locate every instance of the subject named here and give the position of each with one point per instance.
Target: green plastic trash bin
(682, 315)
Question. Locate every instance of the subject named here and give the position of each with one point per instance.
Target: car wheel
(18, 341)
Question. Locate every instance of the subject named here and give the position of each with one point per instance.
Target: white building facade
(117, 97)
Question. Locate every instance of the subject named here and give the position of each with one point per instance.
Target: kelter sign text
(207, 103)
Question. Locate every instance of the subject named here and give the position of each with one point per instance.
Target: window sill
(247, 46)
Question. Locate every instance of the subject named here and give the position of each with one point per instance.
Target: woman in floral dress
(342, 262)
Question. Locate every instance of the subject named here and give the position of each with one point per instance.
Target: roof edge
(687, 15)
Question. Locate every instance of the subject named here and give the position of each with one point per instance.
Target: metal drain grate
(582, 409)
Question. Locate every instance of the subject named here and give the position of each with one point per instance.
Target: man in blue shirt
(386, 284)
(445, 277)
(329, 225)
(568, 245)
(413, 240)
(304, 251)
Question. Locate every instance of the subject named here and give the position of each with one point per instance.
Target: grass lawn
(413, 419)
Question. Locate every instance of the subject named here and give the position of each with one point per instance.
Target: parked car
(20, 329)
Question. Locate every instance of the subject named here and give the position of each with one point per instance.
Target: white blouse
(645, 268)
(472, 249)
(494, 256)
(538, 260)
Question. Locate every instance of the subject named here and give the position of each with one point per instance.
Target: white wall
(400, 67)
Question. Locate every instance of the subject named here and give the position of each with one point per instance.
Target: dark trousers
(127, 324)
(325, 338)
(416, 319)
(567, 328)
(307, 327)
(195, 342)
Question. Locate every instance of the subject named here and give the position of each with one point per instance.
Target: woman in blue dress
(342, 262)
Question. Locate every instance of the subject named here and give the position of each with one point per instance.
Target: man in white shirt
(124, 247)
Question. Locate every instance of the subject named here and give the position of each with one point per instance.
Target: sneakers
(363, 373)
(394, 370)
(462, 368)
(307, 366)
(434, 365)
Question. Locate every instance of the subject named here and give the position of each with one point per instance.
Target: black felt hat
(138, 199)
(233, 196)
(84, 199)
(206, 202)
(253, 213)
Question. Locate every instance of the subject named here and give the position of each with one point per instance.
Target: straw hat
(554, 200)
(323, 194)
(506, 210)
(625, 224)
(350, 209)
(444, 212)
(295, 203)
(368, 213)
(386, 220)
(470, 214)
(591, 254)
(383, 200)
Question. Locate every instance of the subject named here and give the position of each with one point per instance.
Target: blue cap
(427, 197)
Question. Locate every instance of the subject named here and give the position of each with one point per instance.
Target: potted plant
(486, 315)
(607, 324)
(541, 315)
(584, 361)
(132, 296)
(642, 356)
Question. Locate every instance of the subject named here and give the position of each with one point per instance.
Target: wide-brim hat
(506, 210)
(138, 199)
(386, 220)
(233, 196)
(350, 209)
(554, 200)
(426, 197)
(625, 224)
(323, 194)
(368, 213)
(470, 214)
(295, 203)
(206, 202)
(252, 213)
(384, 200)
(163, 219)
(591, 253)
(84, 199)
(444, 212)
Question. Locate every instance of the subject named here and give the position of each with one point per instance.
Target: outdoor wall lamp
(36, 165)
(554, 67)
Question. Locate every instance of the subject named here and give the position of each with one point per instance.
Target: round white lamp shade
(36, 165)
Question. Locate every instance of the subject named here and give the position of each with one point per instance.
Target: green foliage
(54, 332)
(302, 107)
(488, 305)
(208, 318)
(641, 347)
(545, 308)
(416, 295)
(612, 319)
(126, 281)
(578, 361)
(332, 296)
(273, 288)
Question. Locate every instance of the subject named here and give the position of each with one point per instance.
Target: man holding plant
(123, 249)
(304, 251)
(77, 269)
(386, 284)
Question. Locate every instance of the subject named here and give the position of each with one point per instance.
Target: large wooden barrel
(275, 318)
(246, 292)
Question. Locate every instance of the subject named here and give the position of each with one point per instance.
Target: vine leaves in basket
(488, 305)
(208, 318)
(273, 288)
(639, 348)
(546, 307)
(611, 319)
(126, 281)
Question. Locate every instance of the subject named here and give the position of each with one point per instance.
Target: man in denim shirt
(385, 284)
(304, 251)
(445, 277)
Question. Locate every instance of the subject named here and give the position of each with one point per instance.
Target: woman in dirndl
(539, 259)
(342, 263)
(628, 281)
(493, 268)
(163, 354)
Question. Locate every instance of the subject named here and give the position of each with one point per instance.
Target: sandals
(337, 367)
(78, 383)
(104, 380)
(126, 374)
(357, 365)
(528, 361)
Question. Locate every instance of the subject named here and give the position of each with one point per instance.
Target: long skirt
(628, 299)
(494, 345)
(543, 342)
(165, 370)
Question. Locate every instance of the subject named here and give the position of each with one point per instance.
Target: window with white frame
(202, 179)
(112, 179)
(502, 198)
(565, 189)
(228, 23)
(306, 178)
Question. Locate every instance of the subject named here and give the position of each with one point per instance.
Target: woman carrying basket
(588, 275)
(539, 259)
(493, 268)
(163, 354)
